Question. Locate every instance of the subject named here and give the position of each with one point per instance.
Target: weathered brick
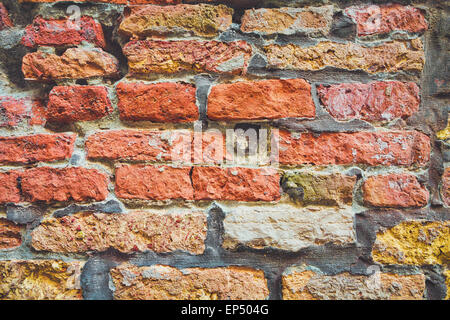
(10, 235)
(160, 282)
(136, 145)
(375, 101)
(447, 282)
(394, 190)
(40, 280)
(445, 133)
(159, 102)
(288, 21)
(304, 283)
(128, 233)
(286, 227)
(200, 20)
(148, 56)
(78, 103)
(445, 188)
(239, 184)
(404, 148)
(153, 182)
(63, 32)
(414, 243)
(54, 184)
(34, 148)
(308, 188)
(25, 110)
(74, 63)
(253, 100)
(9, 187)
(382, 19)
(391, 56)
(5, 21)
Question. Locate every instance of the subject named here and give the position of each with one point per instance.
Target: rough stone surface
(9, 188)
(444, 134)
(74, 63)
(10, 234)
(373, 148)
(376, 101)
(169, 57)
(391, 56)
(201, 20)
(238, 184)
(54, 184)
(301, 283)
(159, 102)
(269, 99)
(153, 183)
(445, 189)
(140, 145)
(78, 103)
(394, 190)
(40, 279)
(414, 243)
(447, 282)
(375, 19)
(311, 21)
(40, 147)
(308, 188)
(287, 228)
(136, 231)
(5, 21)
(63, 32)
(16, 111)
(160, 282)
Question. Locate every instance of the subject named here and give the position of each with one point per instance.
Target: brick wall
(168, 149)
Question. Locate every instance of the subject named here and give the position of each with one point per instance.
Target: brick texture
(386, 18)
(224, 149)
(132, 232)
(160, 282)
(78, 103)
(170, 57)
(268, 99)
(41, 147)
(372, 148)
(376, 101)
(160, 102)
(63, 32)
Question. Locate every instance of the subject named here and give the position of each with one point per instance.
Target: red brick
(140, 145)
(160, 102)
(445, 189)
(403, 148)
(153, 182)
(146, 56)
(63, 32)
(10, 234)
(5, 21)
(40, 147)
(386, 18)
(394, 190)
(74, 63)
(78, 103)
(254, 100)
(374, 101)
(15, 111)
(9, 187)
(239, 184)
(55, 184)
